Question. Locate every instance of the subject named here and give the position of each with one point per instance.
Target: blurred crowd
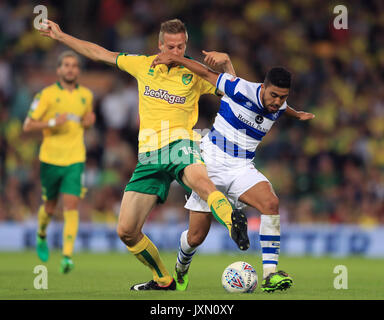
(328, 170)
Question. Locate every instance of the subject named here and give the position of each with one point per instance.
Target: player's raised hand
(215, 59)
(303, 116)
(51, 30)
(164, 58)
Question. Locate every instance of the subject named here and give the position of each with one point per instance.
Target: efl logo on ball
(239, 277)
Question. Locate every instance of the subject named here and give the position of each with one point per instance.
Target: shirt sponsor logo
(259, 119)
(253, 124)
(164, 95)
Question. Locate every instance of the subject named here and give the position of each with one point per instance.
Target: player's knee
(271, 205)
(127, 234)
(204, 187)
(50, 211)
(70, 203)
(50, 208)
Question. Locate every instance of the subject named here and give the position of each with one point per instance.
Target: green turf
(110, 276)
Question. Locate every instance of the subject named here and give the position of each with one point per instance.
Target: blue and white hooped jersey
(242, 121)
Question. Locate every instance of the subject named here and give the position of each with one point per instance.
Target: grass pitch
(109, 276)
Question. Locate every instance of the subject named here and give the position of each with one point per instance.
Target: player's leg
(72, 190)
(196, 177)
(134, 210)
(50, 180)
(44, 216)
(70, 229)
(148, 186)
(262, 197)
(199, 225)
(50, 177)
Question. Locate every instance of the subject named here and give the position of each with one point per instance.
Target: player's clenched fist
(164, 58)
(215, 59)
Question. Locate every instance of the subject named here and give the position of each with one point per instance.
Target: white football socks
(270, 242)
(185, 254)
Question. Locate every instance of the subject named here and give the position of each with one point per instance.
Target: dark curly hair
(279, 77)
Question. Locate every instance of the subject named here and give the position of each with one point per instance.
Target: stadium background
(326, 172)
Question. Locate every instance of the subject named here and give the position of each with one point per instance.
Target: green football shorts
(156, 170)
(61, 179)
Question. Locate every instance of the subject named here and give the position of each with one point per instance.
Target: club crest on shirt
(187, 78)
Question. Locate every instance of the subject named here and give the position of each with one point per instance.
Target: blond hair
(173, 26)
(65, 54)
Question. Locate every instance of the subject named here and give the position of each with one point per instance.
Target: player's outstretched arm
(196, 67)
(300, 115)
(85, 48)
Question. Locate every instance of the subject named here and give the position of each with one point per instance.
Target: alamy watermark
(234, 144)
(341, 20)
(42, 15)
(341, 280)
(41, 280)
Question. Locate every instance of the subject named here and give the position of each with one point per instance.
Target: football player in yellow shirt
(61, 111)
(168, 109)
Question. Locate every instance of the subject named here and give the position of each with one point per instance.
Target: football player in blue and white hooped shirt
(247, 112)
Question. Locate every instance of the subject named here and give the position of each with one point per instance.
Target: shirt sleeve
(227, 84)
(207, 88)
(131, 63)
(237, 88)
(39, 105)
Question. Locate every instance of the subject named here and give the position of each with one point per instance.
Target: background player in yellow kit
(61, 111)
(168, 109)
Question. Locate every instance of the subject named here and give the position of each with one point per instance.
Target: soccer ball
(239, 277)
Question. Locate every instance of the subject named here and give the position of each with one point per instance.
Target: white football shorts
(230, 179)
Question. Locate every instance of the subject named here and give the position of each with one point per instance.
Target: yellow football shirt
(62, 145)
(168, 100)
